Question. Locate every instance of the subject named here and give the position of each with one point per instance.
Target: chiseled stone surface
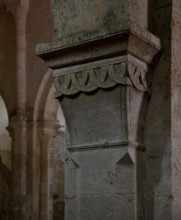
(58, 175)
(97, 172)
(99, 50)
(90, 19)
(158, 128)
(103, 91)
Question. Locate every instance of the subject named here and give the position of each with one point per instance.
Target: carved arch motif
(104, 74)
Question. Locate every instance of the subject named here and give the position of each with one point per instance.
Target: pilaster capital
(17, 7)
(51, 127)
(16, 123)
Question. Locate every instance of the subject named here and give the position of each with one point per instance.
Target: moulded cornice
(135, 40)
(121, 58)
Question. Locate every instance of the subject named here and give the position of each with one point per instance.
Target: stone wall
(175, 108)
(158, 121)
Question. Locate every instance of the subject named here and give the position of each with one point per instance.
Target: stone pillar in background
(17, 130)
(176, 106)
(34, 141)
(18, 123)
(19, 9)
(101, 61)
(162, 133)
(46, 177)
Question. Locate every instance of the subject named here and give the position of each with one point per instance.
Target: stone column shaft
(19, 9)
(18, 133)
(18, 124)
(34, 129)
(101, 61)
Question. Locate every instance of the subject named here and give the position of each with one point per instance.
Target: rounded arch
(47, 109)
(42, 95)
(51, 106)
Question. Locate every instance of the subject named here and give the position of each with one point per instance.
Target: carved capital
(122, 58)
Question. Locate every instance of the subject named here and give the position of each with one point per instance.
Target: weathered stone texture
(175, 103)
(121, 101)
(58, 176)
(83, 20)
(102, 93)
(158, 123)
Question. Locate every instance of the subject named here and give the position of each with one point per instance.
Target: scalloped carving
(87, 79)
(137, 77)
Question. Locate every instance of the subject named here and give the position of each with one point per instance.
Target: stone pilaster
(34, 141)
(19, 10)
(17, 130)
(100, 75)
(18, 123)
(46, 179)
